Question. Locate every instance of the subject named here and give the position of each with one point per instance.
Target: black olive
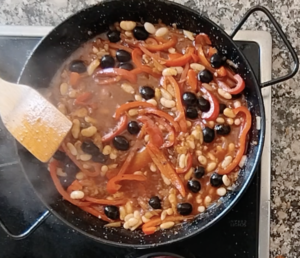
(184, 208)
(203, 104)
(222, 107)
(140, 33)
(107, 61)
(216, 61)
(147, 92)
(59, 155)
(100, 158)
(194, 186)
(154, 202)
(77, 66)
(112, 212)
(126, 66)
(208, 134)
(70, 167)
(123, 56)
(205, 76)
(189, 98)
(222, 129)
(216, 179)
(90, 148)
(199, 172)
(113, 36)
(133, 127)
(191, 112)
(121, 143)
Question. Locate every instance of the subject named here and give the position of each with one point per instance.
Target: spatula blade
(38, 125)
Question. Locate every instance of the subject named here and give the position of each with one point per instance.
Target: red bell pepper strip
(83, 97)
(195, 58)
(113, 187)
(60, 189)
(96, 213)
(74, 186)
(202, 39)
(120, 110)
(150, 226)
(165, 167)
(111, 72)
(170, 43)
(203, 60)
(174, 56)
(119, 46)
(213, 113)
(181, 116)
(155, 134)
(188, 166)
(149, 231)
(221, 71)
(181, 61)
(121, 126)
(161, 114)
(140, 161)
(246, 125)
(211, 52)
(192, 80)
(152, 55)
(240, 86)
(136, 58)
(74, 78)
(105, 201)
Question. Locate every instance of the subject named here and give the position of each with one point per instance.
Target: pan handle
(28, 231)
(283, 37)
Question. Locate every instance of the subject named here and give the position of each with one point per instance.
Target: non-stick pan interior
(66, 38)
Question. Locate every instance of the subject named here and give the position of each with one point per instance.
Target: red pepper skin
(243, 137)
(213, 113)
(240, 86)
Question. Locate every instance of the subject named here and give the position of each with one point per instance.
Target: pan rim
(243, 187)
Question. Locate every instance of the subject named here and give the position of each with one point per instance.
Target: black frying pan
(56, 47)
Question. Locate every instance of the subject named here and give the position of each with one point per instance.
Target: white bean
(224, 94)
(169, 72)
(227, 160)
(182, 160)
(149, 27)
(202, 159)
(226, 180)
(197, 67)
(127, 88)
(172, 50)
(189, 34)
(220, 120)
(64, 88)
(133, 112)
(72, 149)
(161, 32)
(92, 66)
(76, 195)
(211, 166)
(166, 94)
(167, 225)
(221, 191)
(75, 128)
(152, 101)
(167, 103)
(201, 209)
(106, 150)
(229, 113)
(85, 157)
(89, 132)
(127, 25)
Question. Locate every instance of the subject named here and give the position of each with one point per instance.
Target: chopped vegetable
(122, 125)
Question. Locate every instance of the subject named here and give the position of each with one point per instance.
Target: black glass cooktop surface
(236, 235)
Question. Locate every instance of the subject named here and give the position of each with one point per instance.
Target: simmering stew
(160, 126)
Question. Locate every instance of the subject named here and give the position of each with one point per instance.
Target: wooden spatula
(32, 120)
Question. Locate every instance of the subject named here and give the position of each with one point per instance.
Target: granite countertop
(285, 204)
